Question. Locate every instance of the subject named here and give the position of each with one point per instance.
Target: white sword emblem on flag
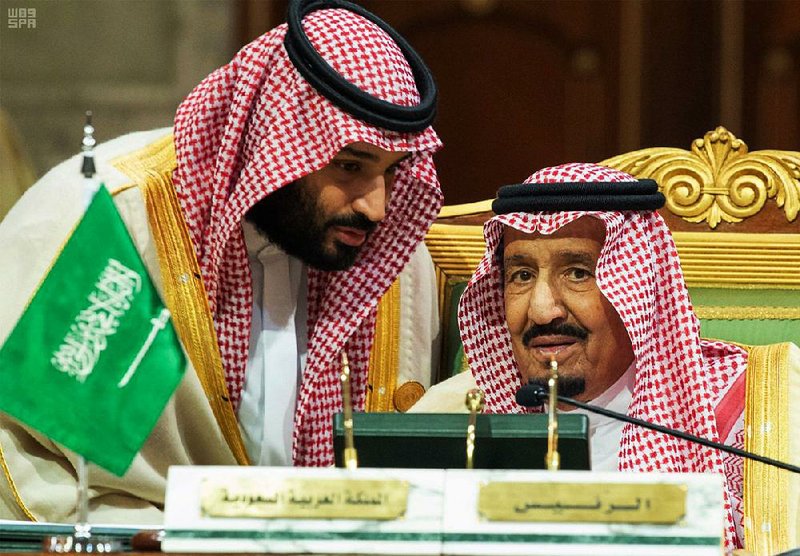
(159, 323)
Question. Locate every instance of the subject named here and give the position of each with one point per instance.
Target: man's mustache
(554, 330)
(355, 220)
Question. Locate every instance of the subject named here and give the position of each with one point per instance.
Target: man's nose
(372, 199)
(546, 304)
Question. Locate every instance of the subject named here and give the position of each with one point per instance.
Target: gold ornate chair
(733, 214)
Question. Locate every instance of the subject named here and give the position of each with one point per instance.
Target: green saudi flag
(94, 359)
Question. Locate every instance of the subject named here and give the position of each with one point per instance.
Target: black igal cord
(330, 84)
(534, 395)
(532, 197)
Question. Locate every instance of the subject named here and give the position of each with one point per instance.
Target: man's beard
(568, 386)
(293, 220)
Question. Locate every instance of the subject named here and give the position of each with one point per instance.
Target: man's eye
(578, 274)
(348, 165)
(520, 276)
(394, 168)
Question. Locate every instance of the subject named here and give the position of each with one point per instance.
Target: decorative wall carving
(718, 180)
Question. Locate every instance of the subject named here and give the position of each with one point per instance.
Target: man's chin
(569, 386)
(335, 258)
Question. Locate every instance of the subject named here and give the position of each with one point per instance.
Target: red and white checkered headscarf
(254, 126)
(679, 377)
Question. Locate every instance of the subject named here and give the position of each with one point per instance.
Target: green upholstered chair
(733, 214)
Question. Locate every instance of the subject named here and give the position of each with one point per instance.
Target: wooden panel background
(530, 83)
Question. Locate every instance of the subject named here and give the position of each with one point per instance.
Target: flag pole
(82, 527)
(82, 539)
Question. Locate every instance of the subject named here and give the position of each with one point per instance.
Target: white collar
(615, 398)
(611, 398)
(605, 432)
(258, 246)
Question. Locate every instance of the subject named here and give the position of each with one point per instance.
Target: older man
(297, 184)
(579, 267)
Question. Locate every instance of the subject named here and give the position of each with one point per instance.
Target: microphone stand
(474, 403)
(538, 395)
(552, 458)
(350, 454)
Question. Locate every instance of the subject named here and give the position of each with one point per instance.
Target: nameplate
(496, 513)
(583, 502)
(303, 510)
(302, 498)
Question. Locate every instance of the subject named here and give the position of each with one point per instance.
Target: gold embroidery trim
(385, 356)
(184, 290)
(121, 188)
(748, 313)
(766, 433)
(13, 487)
(156, 158)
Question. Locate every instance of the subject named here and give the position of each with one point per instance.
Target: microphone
(534, 395)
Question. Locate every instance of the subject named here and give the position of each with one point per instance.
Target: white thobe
(277, 355)
(605, 433)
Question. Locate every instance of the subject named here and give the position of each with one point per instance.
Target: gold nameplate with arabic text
(583, 502)
(298, 498)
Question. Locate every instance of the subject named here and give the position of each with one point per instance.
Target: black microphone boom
(534, 395)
